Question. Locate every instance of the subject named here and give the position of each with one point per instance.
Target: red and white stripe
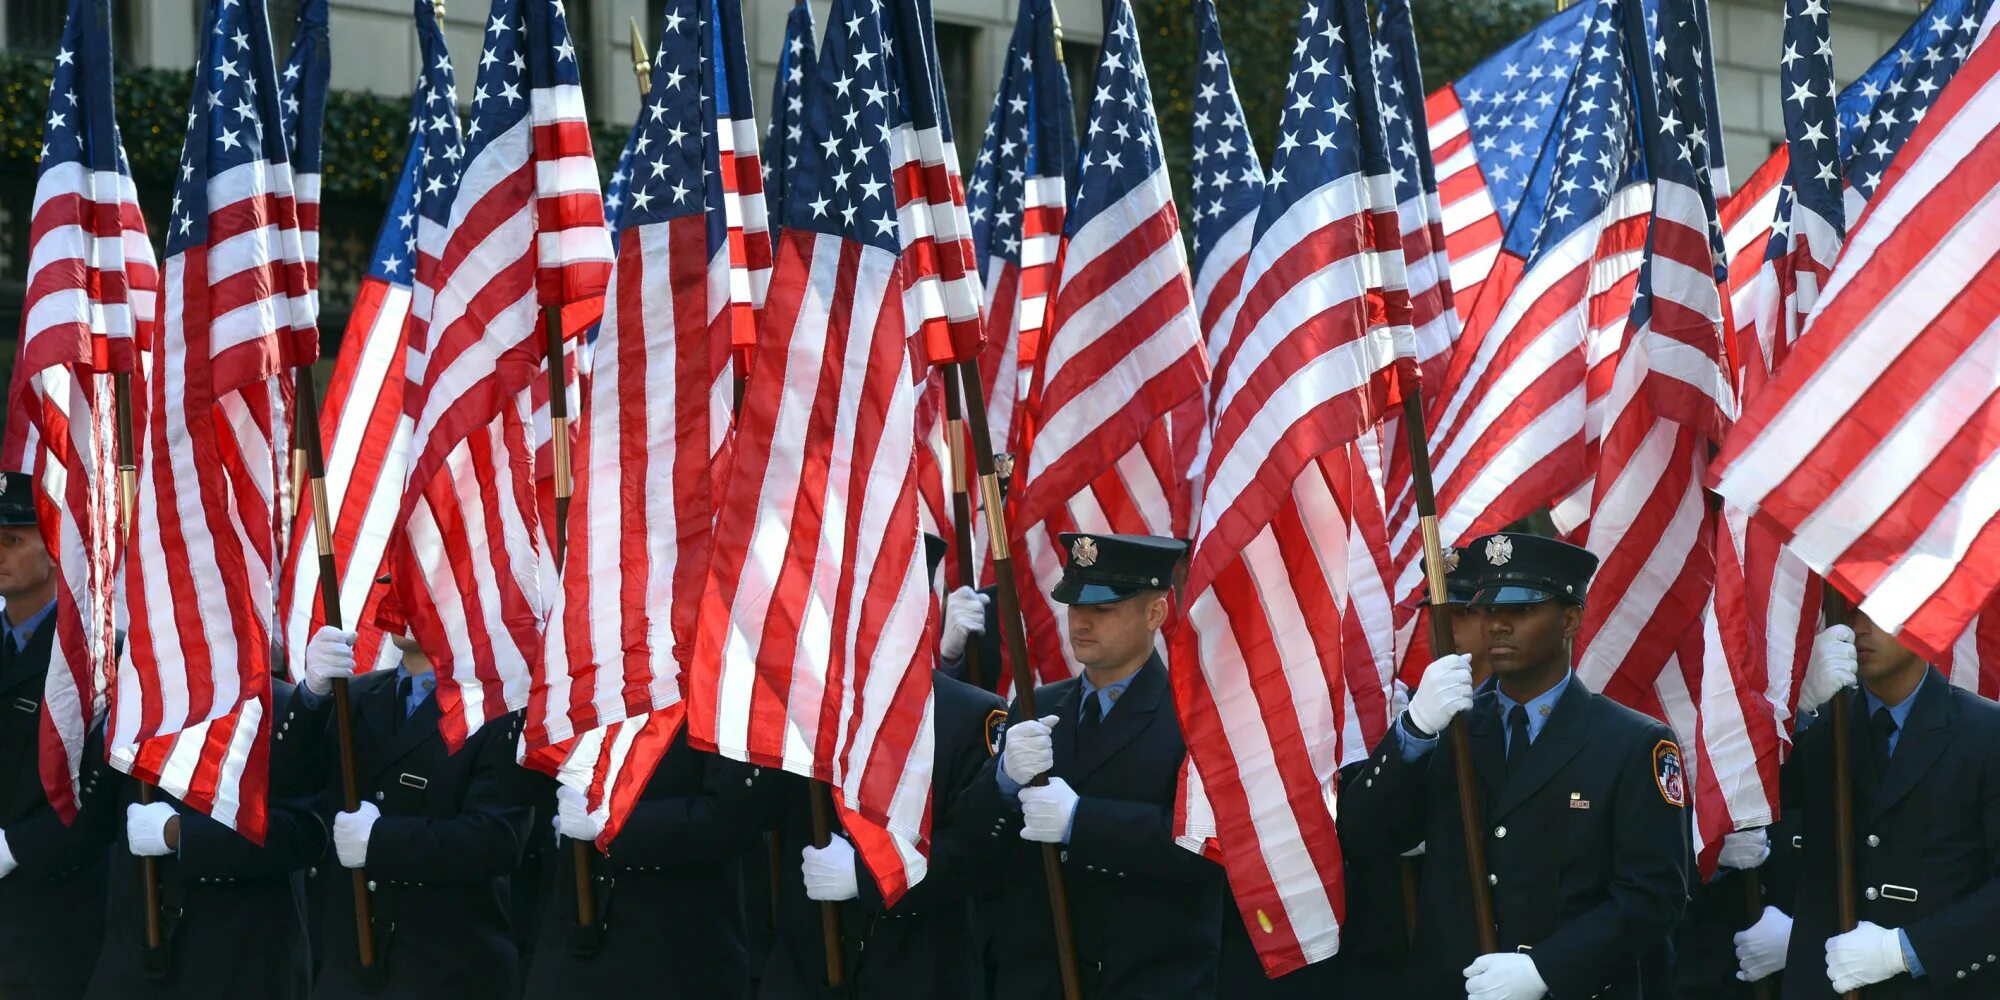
(813, 648)
(746, 213)
(1471, 222)
(189, 701)
(1017, 305)
(1974, 660)
(638, 541)
(1884, 488)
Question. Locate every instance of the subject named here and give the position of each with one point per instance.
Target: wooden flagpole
(128, 494)
(829, 912)
(1471, 822)
(307, 416)
(1017, 648)
(961, 513)
(1834, 611)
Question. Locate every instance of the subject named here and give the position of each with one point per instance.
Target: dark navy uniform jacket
(222, 891)
(1927, 845)
(1147, 912)
(52, 905)
(925, 946)
(1587, 844)
(670, 892)
(439, 859)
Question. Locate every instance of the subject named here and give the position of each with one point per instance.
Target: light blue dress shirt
(20, 634)
(1107, 698)
(1538, 707)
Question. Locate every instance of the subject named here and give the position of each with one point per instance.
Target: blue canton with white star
(788, 102)
(82, 126)
(431, 168)
(1400, 80)
(1031, 133)
(666, 170)
(1880, 109)
(844, 186)
(510, 69)
(236, 93)
(1121, 147)
(1512, 99)
(1228, 180)
(302, 87)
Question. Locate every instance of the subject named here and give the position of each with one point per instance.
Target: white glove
(329, 654)
(146, 828)
(1760, 948)
(1831, 668)
(350, 834)
(1445, 691)
(964, 614)
(1744, 849)
(1046, 811)
(1863, 956)
(1504, 976)
(573, 819)
(7, 863)
(829, 871)
(1030, 750)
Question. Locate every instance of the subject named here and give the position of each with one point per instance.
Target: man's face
(25, 567)
(1112, 635)
(1522, 636)
(1879, 655)
(1468, 633)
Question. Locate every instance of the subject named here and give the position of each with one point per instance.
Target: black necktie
(1881, 727)
(1093, 717)
(1517, 736)
(404, 685)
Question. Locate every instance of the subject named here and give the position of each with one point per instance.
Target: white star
(65, 57)
(241, 39)
(510, 91)
(640, 199)
(819, 207)
(674, 21)
(228, 139)
(565, 51)
(680, 192)
(227, 69)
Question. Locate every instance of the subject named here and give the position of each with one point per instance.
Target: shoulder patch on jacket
(1667, 773)
(996, 723)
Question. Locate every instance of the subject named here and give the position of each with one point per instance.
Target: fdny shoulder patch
(996, 723)
(1667, 773)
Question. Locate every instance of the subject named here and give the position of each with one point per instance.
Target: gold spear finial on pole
(642, 66)
(437, 6)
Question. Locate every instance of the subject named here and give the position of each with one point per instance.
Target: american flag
(788, 102)
(813, 645)
(1877, 486)
(1508, 427)
(1228, 187)
(1020, 187)
(521, 232)
(736, 171)
(1671, 397)
(1433, 307)
(363, 431)
(639, 522)
(190, 702)
(1124, 349)
(1274, 695)
(302, 87)
(1486, 130)
(92, 296)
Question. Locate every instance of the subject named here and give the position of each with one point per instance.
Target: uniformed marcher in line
(51, 875)
(668, 892)
(438, 834)
(925, 946)
(1147, 913)
(1926, 758)
(218, 889)
(1583, 801)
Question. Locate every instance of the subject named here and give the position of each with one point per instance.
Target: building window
(34, 27)
(957, 48)
(1080, 59)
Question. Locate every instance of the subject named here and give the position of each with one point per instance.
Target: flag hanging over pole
(190, 702)
(302, 88)
(524, 233)
(363, 431)
(91, 305)
(813, 646)
(1866, 453)
(737, 171)
(788, 102)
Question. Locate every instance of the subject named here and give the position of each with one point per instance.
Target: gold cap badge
(1084, 552)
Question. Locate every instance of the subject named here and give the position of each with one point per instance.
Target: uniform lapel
(1489, 754)
(17, 670)
(1129, 717)
(1926, 733)
(1560, 739)
(1062, 738)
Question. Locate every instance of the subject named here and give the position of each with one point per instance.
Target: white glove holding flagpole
(1760, 948)
(146, 828)
(1506, 976)
(7, 862)
(1031, 751)
(573, 819)
(1832, 668)
(829, 871)
(1744, 849)
(329, 654)
(1445, 691)
(964, 614)
(1864, 956)
(1046, 811)
(350, 834)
